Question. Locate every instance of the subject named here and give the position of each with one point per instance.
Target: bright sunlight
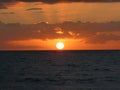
(60, 45)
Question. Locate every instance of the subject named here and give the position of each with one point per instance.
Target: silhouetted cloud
(5, 3)
(91, 32)
(56, 1)
(33, 9)
(7, 13)
(103, 38)
(2, 6)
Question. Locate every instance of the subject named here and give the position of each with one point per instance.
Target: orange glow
(48, 44)
(58, 30)
(52, 13)
(70, 44)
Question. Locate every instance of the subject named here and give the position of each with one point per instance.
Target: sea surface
(60, 70)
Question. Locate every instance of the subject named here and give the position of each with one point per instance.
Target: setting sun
(60, 45)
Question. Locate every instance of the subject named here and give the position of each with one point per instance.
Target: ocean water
(60, 70)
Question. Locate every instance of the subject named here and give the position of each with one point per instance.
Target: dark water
(60, 70)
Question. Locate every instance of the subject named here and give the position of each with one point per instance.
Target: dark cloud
(7, 13)
(91, 32)
(5, 3)
(56, 1)
(20, 47)
(33, 9)
(2, 6)
(103, 38)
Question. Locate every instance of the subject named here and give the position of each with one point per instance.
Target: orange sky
(80, 26)
(60, 12)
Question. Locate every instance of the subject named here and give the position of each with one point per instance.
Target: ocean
(60, 70)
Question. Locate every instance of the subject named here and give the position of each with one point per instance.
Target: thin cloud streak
(56, 1)
(7, 13)
(32, 9)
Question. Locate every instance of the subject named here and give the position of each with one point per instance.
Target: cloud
(33, 9)
(91, 32)
(2, 6)
(103, 38)
(56, 1)
(7, 13)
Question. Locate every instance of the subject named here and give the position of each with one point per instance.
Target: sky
(40, 24)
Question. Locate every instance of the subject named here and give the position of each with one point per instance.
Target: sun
(60, 45)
